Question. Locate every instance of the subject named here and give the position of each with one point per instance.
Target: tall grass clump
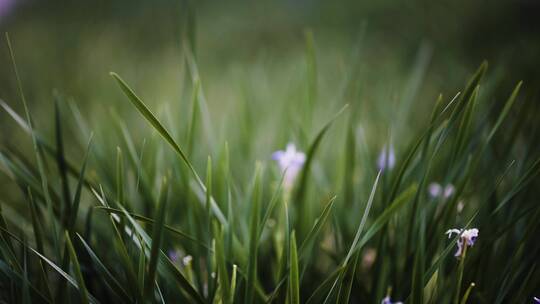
(275, 203)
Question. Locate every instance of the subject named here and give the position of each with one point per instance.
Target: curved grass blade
(77, 269)
(151, 118)
(302, 185)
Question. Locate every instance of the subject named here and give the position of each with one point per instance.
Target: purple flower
(386, 159)
(387, 300)
(466, 237)
(536, 300)
(174, 255)
(5, 7)
(436, 190)
(289, 161)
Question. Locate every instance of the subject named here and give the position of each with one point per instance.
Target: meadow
(328, 172)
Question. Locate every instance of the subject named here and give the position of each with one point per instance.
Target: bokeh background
(388, 59)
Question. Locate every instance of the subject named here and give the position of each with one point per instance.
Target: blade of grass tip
(77, 269)
(253, 236)
(317, 226)
(61, 161)
(467, 293)
(157, 236)
(116, 287)
(352, 249)
(192, 127)
(506, 109)
(233, 283)
(150, 117)
(294, 280)
(80, 183)
(465, 125)
(364, 218)
(37, 151)
(302, 186)
(203, 105)
(387, 214)
(272, 204)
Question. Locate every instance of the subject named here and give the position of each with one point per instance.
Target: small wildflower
(466, 238)
(290, 161)
(387, 300)
(386, 159)
(436, 190)
(368, 258)
(536, 300)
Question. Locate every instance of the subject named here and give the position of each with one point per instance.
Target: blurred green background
(388, 59)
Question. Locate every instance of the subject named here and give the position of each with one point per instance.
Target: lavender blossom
(466, 238)
(436, 190)
(386, 159)
(290, 162)
(536, 300)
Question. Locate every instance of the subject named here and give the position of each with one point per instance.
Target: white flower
(466, 237)
(290, 161)
(386, 159)
(187, 260)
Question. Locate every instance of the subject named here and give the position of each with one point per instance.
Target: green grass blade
(77, 269)
(157, 236)
(294, 279)
(151, 118)
(253, 237)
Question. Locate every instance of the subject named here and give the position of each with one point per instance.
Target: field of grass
(327, 172)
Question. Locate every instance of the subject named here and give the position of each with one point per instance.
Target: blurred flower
(174, 255)
(290, 161)
(387, 300)
(368, 258)
(436, 190)
(536, 300)
(449, 190)
(466, 238)
(386, 159)
(187, 260)
(460, 206)
(5, 7)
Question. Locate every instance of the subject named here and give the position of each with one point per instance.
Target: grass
(133, 219)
